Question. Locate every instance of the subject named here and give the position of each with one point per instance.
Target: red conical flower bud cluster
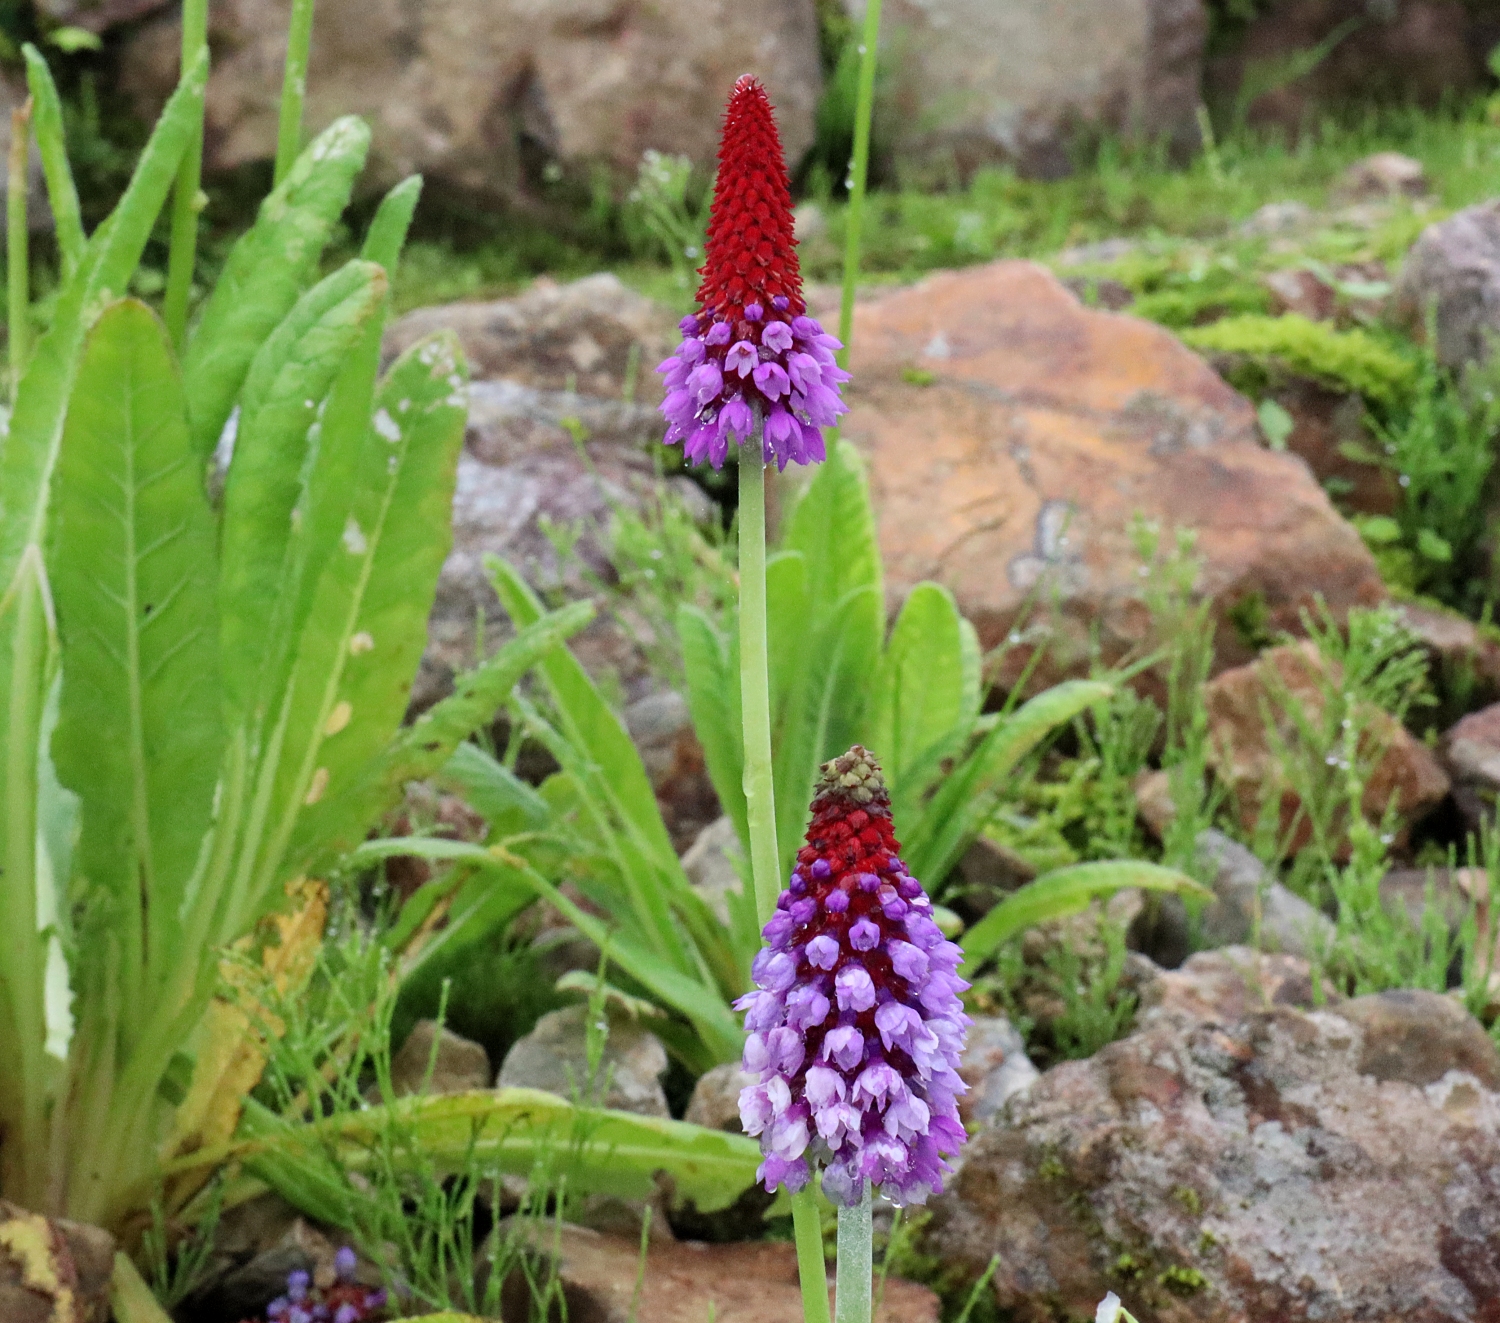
(752, 353)
(751, 252)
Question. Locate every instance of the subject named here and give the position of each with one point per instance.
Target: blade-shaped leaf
(133, 572)
(1063, 892)
(592, 727)
(291, 374)
(67, 221)
(966, 799)
(267, 271)
(512, 1130)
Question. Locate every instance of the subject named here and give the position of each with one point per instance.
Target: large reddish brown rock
(688, 1282)
(1047, 428)
(1292, 684)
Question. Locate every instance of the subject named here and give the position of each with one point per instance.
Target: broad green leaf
(511, 1130)
(287, 382)
(338, 822)
(346, 436)
(46, 115)
(713, 685)
(361, 639)
(28, 449)
(267, 271)
(833, 526)
(825, 639)
(1063, 892)
(919, 698)
(133, 573)
(967, 798)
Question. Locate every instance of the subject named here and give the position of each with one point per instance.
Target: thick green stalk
(859, 170)
(851, 1303)
(294, 87)
(182, 255)
(17, 263)
(755, 684)
(807, 1223)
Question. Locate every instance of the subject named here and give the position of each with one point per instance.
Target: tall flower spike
(856, 1028)
(751, 353)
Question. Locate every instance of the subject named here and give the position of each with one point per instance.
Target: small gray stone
(1452, 275)
(994, 1066)
(1244, 893)
(713, 864)
(1276, 218)
(553, 1057)
(716, 1098)
(459, 1066)
(1383, 175)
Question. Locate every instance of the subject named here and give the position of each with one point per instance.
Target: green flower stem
(859, 170)
(17, 262)
(755, 685)
(294, 87)
(852, 1299)
(807, 1222)
(182, 255)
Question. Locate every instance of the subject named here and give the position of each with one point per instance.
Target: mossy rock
(1258, 346)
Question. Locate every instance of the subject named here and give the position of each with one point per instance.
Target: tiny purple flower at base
(856, 1029)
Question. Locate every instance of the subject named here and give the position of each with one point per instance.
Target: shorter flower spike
(751, 355)
(856, 1024)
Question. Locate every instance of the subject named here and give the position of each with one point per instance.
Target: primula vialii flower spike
(751, 353)
(856, 1028)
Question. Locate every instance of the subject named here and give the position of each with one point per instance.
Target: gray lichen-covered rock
(978, 82)
(556, 440)
(994, 1066)
(1452, 277)
(713, 863)
(716, 1097)
(553, 1056)
(1241, 1159)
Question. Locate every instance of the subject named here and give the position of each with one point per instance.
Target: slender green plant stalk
(852, 1293)
(17, 262)
(755, 692)
(294, 87)
(182, 256)
(859, 170)
(807, 1223)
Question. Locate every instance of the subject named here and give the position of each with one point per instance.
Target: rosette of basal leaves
(205, 657)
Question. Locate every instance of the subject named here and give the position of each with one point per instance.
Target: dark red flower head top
(751, 251)
(751, 353)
